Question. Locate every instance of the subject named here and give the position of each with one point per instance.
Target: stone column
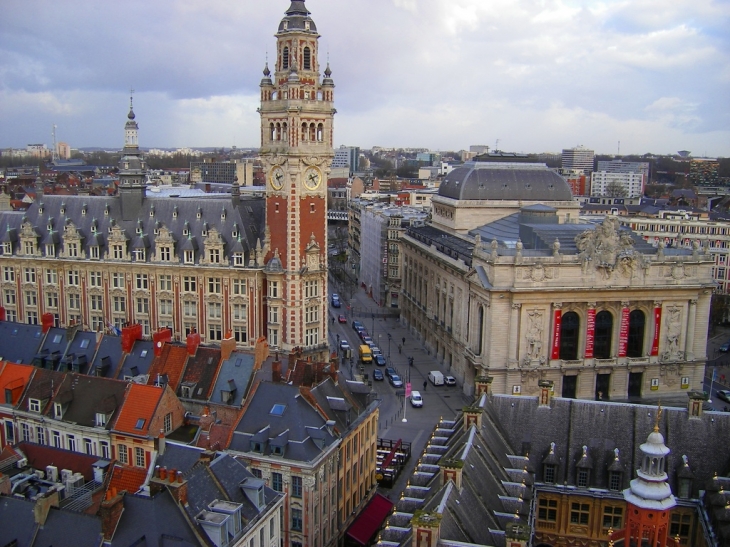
(689, 339)
(514, 323)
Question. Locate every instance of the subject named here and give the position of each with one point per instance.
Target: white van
(436, 378)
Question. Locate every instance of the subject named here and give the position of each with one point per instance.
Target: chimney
(473, 416)
(159, 339)
(193, 341)
(5, 486)
(207, 456)
(694, 405)
(110, 512)
(426, 529)
(130, 334)
(276, 371)
(228, 345)
(46, 321)
(160, 443)
(483, 384)
(43, 506)
(451, 470)
(178, 487)
(546, 392)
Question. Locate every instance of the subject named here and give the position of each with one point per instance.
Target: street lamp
(389, 339)
(373, 323)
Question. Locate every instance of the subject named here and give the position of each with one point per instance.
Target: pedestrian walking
(425, 385)
(400, 347)
(404, 340)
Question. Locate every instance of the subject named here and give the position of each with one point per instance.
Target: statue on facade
(609, 249)
(534, 334)
(674, 327)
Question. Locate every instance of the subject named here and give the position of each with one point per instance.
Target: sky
(628, 77)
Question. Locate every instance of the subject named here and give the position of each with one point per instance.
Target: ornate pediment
(609, 250)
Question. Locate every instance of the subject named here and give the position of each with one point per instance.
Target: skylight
(278, 409)
(57, 339)
(84, 343)
(140, 423)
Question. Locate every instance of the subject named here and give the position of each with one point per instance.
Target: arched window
(304, 132)
(278, 132)
(480, 334)
(635, 347)
(312, 134)
(272, 132)
(320, 132)
(569, 329)
(285, 58)
(307, 59)
(602, 337)
(284, 132)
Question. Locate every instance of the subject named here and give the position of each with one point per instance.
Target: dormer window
(583, 477)
(277, 450)
(549, 473)
(152, 211)
(40, 209)
(34, 405)
(615, 481)
(63, 208)
(174, 212)
(57, 411)
(257, 446)
(223, 214)
(106, 212)
(100, 420)
(189, 257)
(199, 214)
(139, 230)
(84, 210)
(7, 248)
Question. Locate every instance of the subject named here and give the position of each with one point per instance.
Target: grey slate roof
(152, 522)
(138, 361)
(55, 531)
(495, 181)
(603, 426)
(17, 520)
(175, 214)
(108, 356)
(180, 457)
(83, 396)
(19, 342)
(239, 368)
(298, 416)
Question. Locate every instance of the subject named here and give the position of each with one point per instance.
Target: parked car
(723, 394)
(378, 375)
(341, 319)
(436, 377)
(725, 347)
(336, 300)
(416, 399)
(366, 339)
(395, 380)
(379, 360)
(357, 325)
(344, 345)
(449, 380)
(389, 371)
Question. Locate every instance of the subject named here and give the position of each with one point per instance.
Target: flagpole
(712, 382)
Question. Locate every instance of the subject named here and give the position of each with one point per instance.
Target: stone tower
(297, 112)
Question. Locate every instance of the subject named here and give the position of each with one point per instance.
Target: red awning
(370, 519)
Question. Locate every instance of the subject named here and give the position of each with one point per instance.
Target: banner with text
(623, 340)
(590, 332)
(657, 327)
(556, 334)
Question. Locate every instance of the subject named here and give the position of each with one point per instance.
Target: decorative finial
(658, 417)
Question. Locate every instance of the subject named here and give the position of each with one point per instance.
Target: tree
(615, 189)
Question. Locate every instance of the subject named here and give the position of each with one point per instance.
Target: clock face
(276, 178)
(312, 178)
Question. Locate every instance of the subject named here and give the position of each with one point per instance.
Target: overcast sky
(539, 75)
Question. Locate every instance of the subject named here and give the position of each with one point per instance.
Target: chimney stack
(193, 341)
(110, 512)
(228, 346)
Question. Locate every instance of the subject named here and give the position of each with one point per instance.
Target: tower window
(285, 58)
(307, 59)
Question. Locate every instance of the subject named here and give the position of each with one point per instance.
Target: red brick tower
(297, 112)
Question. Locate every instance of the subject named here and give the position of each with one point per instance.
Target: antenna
(496, 146)
(618, 152)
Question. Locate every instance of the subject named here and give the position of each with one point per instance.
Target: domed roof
(500, 181)
(296, 16)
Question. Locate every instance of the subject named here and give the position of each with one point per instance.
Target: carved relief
(674, 328)
(609, 249)
(534, 335)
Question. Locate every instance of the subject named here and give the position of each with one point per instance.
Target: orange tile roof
(171, 362)
(15, 378)
(140, 403)
(127, 478)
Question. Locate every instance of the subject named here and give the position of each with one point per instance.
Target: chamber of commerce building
(506, 283)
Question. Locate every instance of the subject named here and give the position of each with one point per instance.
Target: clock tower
(297, 111)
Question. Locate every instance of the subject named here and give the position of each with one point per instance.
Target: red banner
(623, 340)
(590, 332)
(657, 327)
(556, 334)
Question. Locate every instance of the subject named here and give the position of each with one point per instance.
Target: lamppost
(389, 339)
(373, 323)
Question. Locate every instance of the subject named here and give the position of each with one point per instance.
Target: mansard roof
(89, 220)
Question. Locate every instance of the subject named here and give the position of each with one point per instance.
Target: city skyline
(432, 74)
